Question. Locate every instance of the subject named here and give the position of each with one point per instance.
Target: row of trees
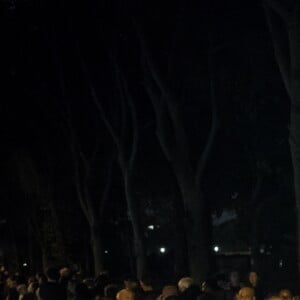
(101, 105)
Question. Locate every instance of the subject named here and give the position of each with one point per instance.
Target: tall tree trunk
(97, 250)
(288, 59)
(138, 237)
(295, 151)
(181, 254)
(197, 234)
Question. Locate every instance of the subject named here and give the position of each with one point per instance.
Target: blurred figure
(187, 288)
(254, 282)
(32, 288)
(129, 292)
(11, 289)
(246, 293)
(51, 289)
(2, 285)
(100, 283)
(211, 290)
(169, 292)
(82, 292)
(23, 293)
(234, 285)
(41, 278)
(285, 294)
(148, 292)
(272, 297)
(111, 291)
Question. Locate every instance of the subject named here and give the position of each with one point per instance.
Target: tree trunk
(181, 253)
(138, 238)
(288, 60)
(295, 151)
(96, 245)
(197, 236)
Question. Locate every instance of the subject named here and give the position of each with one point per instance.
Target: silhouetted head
(285, 294)
(234, 278)
(253, 278)
(184, 283)
(246, 293)
(52, 274)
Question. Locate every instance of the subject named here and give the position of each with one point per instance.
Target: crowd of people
(62, 284)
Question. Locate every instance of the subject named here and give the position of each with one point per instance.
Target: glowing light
(162, 250)
(151, 227)
(25, 265)
(106, 251)
(281, 263)
(216, 249)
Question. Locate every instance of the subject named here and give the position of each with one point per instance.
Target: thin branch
(107, 187)
(279, 8)
(157, 76)
(135, 128)
(120, 88)
(161, 130)
(78, 185)
(214, 125)
(99, 105)
(280, 49)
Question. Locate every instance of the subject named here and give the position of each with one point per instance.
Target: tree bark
(126, 152)
(97, 248)
(286, 42)
(138, 236)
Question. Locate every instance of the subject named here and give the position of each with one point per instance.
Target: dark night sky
(253, 105)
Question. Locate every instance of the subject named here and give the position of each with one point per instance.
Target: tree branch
(280, 49)
(156, 74)
(135, 129)
(107, 187)
(214, 124)
(98, 105)
(279, 8)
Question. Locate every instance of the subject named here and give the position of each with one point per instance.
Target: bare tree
(126, 143)
(37, 185)
(283, 18)
(85, 165)
(173, 138)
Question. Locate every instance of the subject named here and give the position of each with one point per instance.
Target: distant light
(151, 227)
(281, 263)
(216, 249)
(25, 265)
(162, 250)
(262, 250)
(106, 251)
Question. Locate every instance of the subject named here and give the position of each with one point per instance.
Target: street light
(162, 250)
(216, 249)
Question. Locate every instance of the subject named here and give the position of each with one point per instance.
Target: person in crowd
(148, 291)
(23, 293)
(131, 291)
(41, 278)
(169, 292)
(51, 289)
(11, 288)
(255, 283)
(272, 296)
(246, 293)
(82, 292)
(2, 285)
(211, 290)
(101, 281)
(111, 291)
(32, 288)
(188, 289)
(234, 285)
(285, 294)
